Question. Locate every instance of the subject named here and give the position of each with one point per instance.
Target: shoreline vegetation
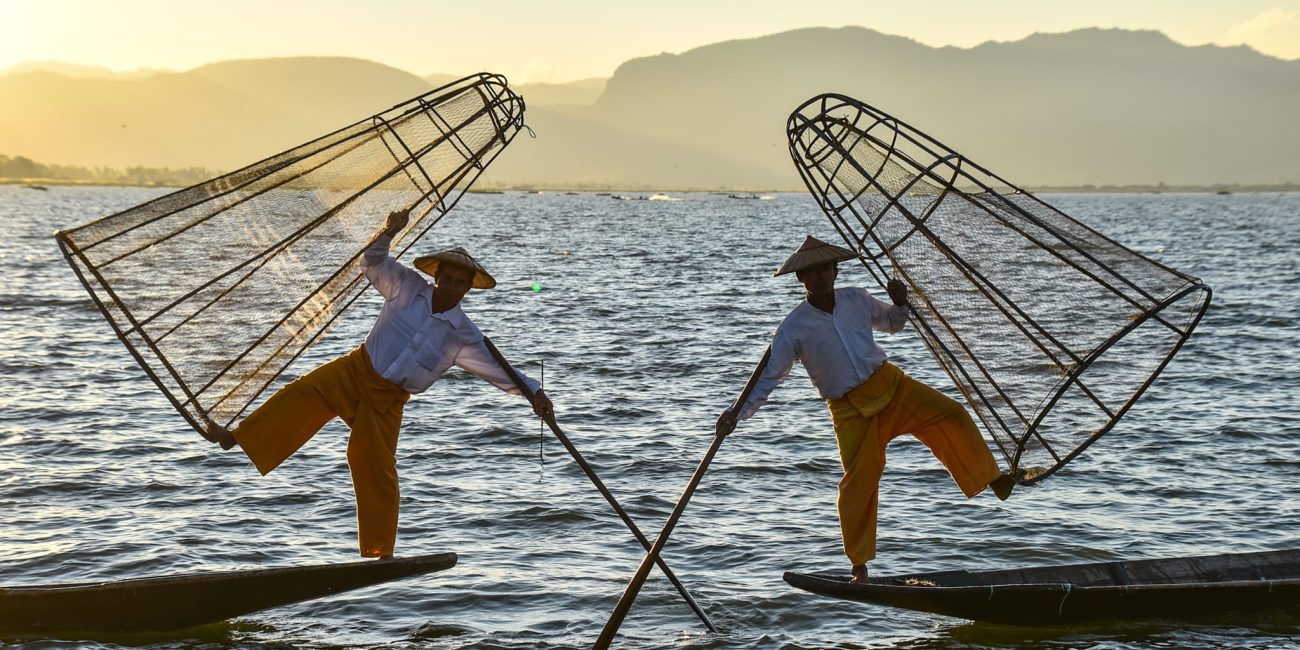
(20, 170)
(25, 171)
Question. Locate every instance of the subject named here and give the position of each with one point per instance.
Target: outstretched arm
(884, 316)
(477, 359)
(775, 371)
(726, 424)
(383, 271)
(542, 405)
(897, 291)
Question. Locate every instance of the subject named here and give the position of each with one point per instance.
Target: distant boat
(1223, 192)
(663, 197)
(571, 193)
(181, 601)
(743, 196)
(1176, 588)
(33, 186)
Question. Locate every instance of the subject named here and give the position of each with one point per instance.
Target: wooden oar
(633, 587)
(600, 485)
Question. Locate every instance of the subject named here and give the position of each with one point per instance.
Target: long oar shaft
(652, 556)
(600, 485)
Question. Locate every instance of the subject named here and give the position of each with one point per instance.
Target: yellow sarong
(349, 388)
(886, 406)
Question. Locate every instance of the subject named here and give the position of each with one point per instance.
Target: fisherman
(420, 333)
(871, 400)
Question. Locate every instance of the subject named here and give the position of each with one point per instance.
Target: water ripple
(650, 317)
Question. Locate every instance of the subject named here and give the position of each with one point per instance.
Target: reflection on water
(650, 317)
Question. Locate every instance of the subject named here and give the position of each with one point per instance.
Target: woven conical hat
(814, 252)
(458, 257)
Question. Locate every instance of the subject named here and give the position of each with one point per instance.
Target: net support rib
(1049, 329)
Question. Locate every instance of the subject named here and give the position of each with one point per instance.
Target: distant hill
(220, 116)
(327, 91)
(77, 71)
(1091, 106)
(573, 151)
(436, 80)
(582, 92)
(172, 120)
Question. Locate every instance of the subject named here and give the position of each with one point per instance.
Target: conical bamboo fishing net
(217, 288)
(1048, 328)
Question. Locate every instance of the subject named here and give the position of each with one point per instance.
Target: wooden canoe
(181, 601)
(1175, 588)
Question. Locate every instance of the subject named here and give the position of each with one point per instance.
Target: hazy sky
(563, 40)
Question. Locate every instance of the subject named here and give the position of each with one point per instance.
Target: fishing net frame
(213, 329)
(958, 235)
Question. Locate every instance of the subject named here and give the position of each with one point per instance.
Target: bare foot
(386, 558)
(859, 575)
(1002, 486)
(217, 434)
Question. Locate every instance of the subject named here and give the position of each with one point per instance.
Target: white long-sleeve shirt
(411, 346)
(838, 349)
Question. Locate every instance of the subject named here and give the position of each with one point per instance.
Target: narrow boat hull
(1179, 588)
(181, 601)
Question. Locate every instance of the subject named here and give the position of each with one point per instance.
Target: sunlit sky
(564, 40)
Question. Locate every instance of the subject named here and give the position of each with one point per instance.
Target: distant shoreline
(489, 189)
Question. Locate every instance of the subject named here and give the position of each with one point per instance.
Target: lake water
(650, 317)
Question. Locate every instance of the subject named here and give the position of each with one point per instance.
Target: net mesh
(217, 288)
(1049, 329)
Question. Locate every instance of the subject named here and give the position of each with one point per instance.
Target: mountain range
(1092, 106)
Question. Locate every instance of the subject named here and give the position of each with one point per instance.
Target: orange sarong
(349, 388)
(886, 406)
